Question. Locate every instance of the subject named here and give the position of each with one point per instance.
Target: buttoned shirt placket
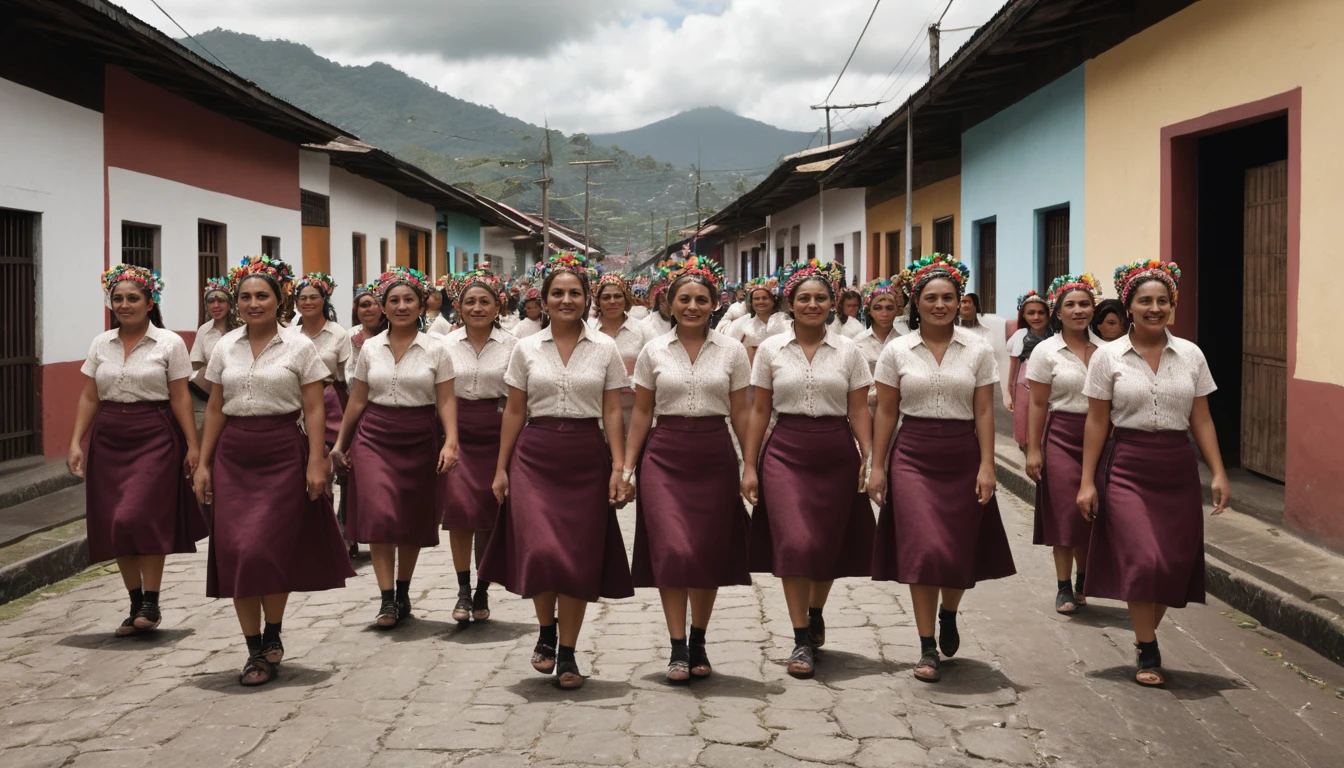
(251, 369)
(125, 359)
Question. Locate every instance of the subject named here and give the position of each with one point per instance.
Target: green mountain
(477, 147)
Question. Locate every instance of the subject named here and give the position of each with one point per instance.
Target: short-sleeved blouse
(480, 376)
(142, 376)
(572, 391)
(527, 327)
(653, 326)
(1017, 343)
(850, 328)
(270, 384)
(440, 326)
(751, 331)
(629, 340)
(409, 382)
(333, 347)
(819, 388)
(207, 336)
(933, 391)
(1141, 399)
(1053, 363)
(703, 388)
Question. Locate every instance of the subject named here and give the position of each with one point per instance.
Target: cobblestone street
(1027, 688)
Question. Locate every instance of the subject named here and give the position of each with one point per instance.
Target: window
(270, 246)
(1056, 252)
(314, 209)
(413, 249)
(894, 259)
(139, 245)
(943, 237)
(917, 245)
(987, 268)
(743, 264)
(795, 243)
(382, 256)
(839, 256)
(811, 250)
(779, 259)
(357, 259)
(875, 257)
(210, 256)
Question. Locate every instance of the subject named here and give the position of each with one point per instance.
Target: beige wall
(935, 201)
(1214, 55)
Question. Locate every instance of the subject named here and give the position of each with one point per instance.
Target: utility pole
(829, 107)
(587, 166)
(667, 233)
(545, 183)
(933, 51)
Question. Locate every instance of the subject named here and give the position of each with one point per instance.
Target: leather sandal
(816, 630)
(567, 676)
(1079, 597)
(700, 666)
(480, 605)
(388, 614)
(462, 611)
(404, 607)
(678, 671)
(1150, 673)
(543, 658)
(928, 661)
(949, 637)
(257, 671)
(127, 628)
(148, 617)
(802, 663)
(274, 651)
(1065, 601)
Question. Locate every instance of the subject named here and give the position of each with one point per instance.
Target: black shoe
(949, 639)
(567, 675)
(480, 605)
(700, 666)
(1065, 602)
(543, 658)
(127, 628)
(274, 651)
(816, 630)
(462, 611)
(148, 617)
(389, 614)
(404, 606)
(928, 660)
(801, 663)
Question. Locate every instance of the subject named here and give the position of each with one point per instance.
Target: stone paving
(1027, 688)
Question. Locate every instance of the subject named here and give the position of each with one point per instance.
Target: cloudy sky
(607, 65)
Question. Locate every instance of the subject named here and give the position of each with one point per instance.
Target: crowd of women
(809, 399)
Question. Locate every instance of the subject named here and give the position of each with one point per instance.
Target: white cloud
(608, 65)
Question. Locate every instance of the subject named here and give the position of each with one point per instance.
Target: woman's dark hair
(420, 294)
(546, 289)
(975, 301)
(280, 303)
(1138, 281)
(912, 304)
(751, 306)
(1109, 307)
(682, 282)
(155, 316)
(231, 319)
(846, 295)
(625, 294)
(354, 314)
(1022, 317)
(1056, 324)
(830, 291)
(328, 311)
(868, 311)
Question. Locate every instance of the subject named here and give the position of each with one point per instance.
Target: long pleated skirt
(1021, 404)
(466, 498)
(1058, 522)
(932, 529)
(393, 460)
(1148, 539)
(335, 412)
(690, 523)
(810, 519)
(556, 532)
(137, 498)
(267, 536)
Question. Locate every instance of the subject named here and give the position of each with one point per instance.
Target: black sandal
(1079, 596)
(127, 628)
(480, 605)
(257, 671)
(543, 658)
(816, 630)
(700, 666)
(1150, 663)
(462, 611)
(928, 660)
(389, 614)
(148, 617)
(274, 651)
(567, 675)
(404, 607)
(678, 671)
(1065, 597)
(802, 663)
(949, 638)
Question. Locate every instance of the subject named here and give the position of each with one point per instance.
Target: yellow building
(933, 223)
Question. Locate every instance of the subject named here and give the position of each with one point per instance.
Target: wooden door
(1264, 330)
(987, 267)
(209, 257)
(18, 335)
(1056, 246)
(892, 264)
(917, 244)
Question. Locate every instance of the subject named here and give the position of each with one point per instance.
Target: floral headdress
(148, 279)
(417, 280)
(532, 294)
(447, 283)
(1029, 297)
(216, 285)
(610, 278)
(363, 289)
(832, 272)
(1064, 283)
(878, 288)
(699, 265)
(277, 270)
(767, 283)
(1166, 271)
(319, 280)
(483, 278)
(564, 262)
(639, 286)
(934, 265)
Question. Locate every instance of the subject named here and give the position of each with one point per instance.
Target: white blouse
(409, 382)
(638, 313)
(819, 388)
(1017, 342)
(527, 327)
(1141, 399)
(270, 384)
(572, 391)
(333, 347)
(440, 327)
(751, 331)
(160, 356)
(871, 348)
(702, 388)
(653, 326)
(207, 336)
(508, 321)
(735, 312)
(480, 377)
(850, 329)
(629, 340)
(933, 391)
(1053, 363)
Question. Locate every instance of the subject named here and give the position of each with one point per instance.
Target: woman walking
(882, 305)
(139, 507)
(613, 303)
(1141, 485)
(939, 529)
(532, 318)
(272, 529)
(763, 318)
(400, 429)
(317, 322)
(811, 523)
(557, 541)
(1033, 327)
(480, 351)
(690, 537)
(1110, 321)
(847, 322)
(1057, 371)
(219, 307)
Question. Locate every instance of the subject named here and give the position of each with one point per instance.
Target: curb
(43, 569)
(1317, 629)
(45, 483)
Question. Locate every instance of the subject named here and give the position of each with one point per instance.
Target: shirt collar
(959, 335)
(546, 334)
(1125, 344)
(792, 338)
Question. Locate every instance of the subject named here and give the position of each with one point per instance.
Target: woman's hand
(447, 457)
(192, 460)
(863, 475)
(340, 460)
(75, 460)
(204, 485)
(877, 486)
(750, 486)
(627, 490)
(317, 477)
(1034, 463)
(1222, 493)
(500, 486)
(1087, 500)
(614, 487)
(984, 483)
(1008, 400)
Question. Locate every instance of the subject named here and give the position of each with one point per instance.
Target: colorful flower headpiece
(832, 272)
(1029, 297)
(768, 283)
(532, 294)
(879, 288)
(611, 278)
(216, 285)
(418, 281)
(277, 270)
(319, 280)
(639, 286)
(363, 289)
(1065, 283)
(564, 262)
(934, 265)
(148, 279)
(698, 265)
(447, 283)
(483, 278)
(1166, 271)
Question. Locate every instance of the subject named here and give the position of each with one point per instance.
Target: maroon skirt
(1058, 523)
(137, 499)
(1021, 404)
(690, 524)
(810, 519)
(331, 403)
(556, 532)
(1148, 540)
(393, 458)
(932, 529)
(466, 497)
(266, 536)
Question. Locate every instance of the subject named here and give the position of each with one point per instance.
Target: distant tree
(581, 140)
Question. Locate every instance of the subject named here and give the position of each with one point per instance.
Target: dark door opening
(19, 423)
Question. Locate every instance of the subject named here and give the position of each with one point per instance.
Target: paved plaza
(1027, 688)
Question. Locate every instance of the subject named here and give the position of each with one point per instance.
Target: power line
(940, 18)
(853, 51)
(192, 37)
(919, 33)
